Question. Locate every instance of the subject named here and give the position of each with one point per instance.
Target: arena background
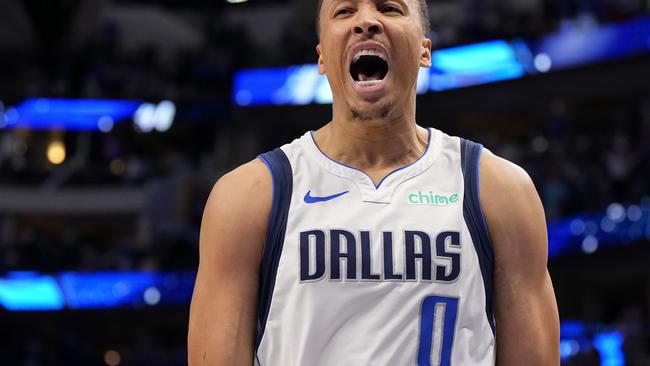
(117, 117)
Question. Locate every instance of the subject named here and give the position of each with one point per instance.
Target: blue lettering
(424, 255)
(305, 256)
(366, 258)
(416, 246)
(350, 255)
(441, 250)
(389, 273)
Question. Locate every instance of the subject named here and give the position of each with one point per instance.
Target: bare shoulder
(252, 176)
(248, 187)
(527, 321)
(222, 312)
(506, 189)
(512, 209)
(240, 203)
(514, 215)
(502, 177)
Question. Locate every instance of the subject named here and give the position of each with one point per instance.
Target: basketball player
(374, 241)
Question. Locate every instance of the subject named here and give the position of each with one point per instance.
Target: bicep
(224, 303)
(526, 321)
(526, 313)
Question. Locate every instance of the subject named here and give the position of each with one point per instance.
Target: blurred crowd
(585, 156)
(492, 19)
(100, 68)
(133, 339)
(99, 65)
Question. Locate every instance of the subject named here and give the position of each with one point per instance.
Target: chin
(365, 111)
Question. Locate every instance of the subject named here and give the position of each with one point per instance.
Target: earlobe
(425, 58)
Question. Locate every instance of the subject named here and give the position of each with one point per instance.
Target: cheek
(409, 55)
(333, 55)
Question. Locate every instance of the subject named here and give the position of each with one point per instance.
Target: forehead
(415, 6)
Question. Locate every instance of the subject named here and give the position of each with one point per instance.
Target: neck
(375, 146)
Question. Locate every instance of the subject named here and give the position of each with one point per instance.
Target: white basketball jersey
(394, 274)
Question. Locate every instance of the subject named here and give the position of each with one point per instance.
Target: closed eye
(390, 9)
(343, 11)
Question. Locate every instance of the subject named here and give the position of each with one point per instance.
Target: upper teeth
(369, 52)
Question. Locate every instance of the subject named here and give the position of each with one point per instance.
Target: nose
(367, 24)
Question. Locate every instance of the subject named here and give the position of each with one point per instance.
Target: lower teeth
(369, 82)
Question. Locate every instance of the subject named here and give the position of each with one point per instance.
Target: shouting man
(374, 241)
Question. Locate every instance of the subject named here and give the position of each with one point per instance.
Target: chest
(335, 234)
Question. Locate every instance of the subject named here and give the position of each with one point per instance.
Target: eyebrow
(335, 2)
(403, 2)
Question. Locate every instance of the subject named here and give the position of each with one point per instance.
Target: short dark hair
(424, 16)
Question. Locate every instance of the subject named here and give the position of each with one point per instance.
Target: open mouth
(366, 68)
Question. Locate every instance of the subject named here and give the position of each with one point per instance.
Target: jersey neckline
(382, 192)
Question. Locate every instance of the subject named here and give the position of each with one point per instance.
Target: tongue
(375, 77)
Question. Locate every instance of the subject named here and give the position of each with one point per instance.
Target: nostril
(373, 29)
(358, 30)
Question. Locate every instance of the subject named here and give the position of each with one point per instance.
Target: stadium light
(56, 153)
(159, 117)
(29, 291)
(87, 114)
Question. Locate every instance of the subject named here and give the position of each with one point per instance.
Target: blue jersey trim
(470, 153)
(364, 173)
(280, 168)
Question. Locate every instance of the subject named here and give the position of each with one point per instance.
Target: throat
(374, 77)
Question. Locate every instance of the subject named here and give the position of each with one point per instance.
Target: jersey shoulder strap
(470, 153)
(282, 175)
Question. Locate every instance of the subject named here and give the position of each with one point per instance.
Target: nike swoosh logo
(311, 199)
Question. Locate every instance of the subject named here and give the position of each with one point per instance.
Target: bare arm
(223, 311)
(527, 321)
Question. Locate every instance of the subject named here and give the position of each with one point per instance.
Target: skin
(527, 320)
(224, 303)
(377, 134)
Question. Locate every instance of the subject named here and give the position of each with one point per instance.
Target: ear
(321, 63)
(425, 56)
